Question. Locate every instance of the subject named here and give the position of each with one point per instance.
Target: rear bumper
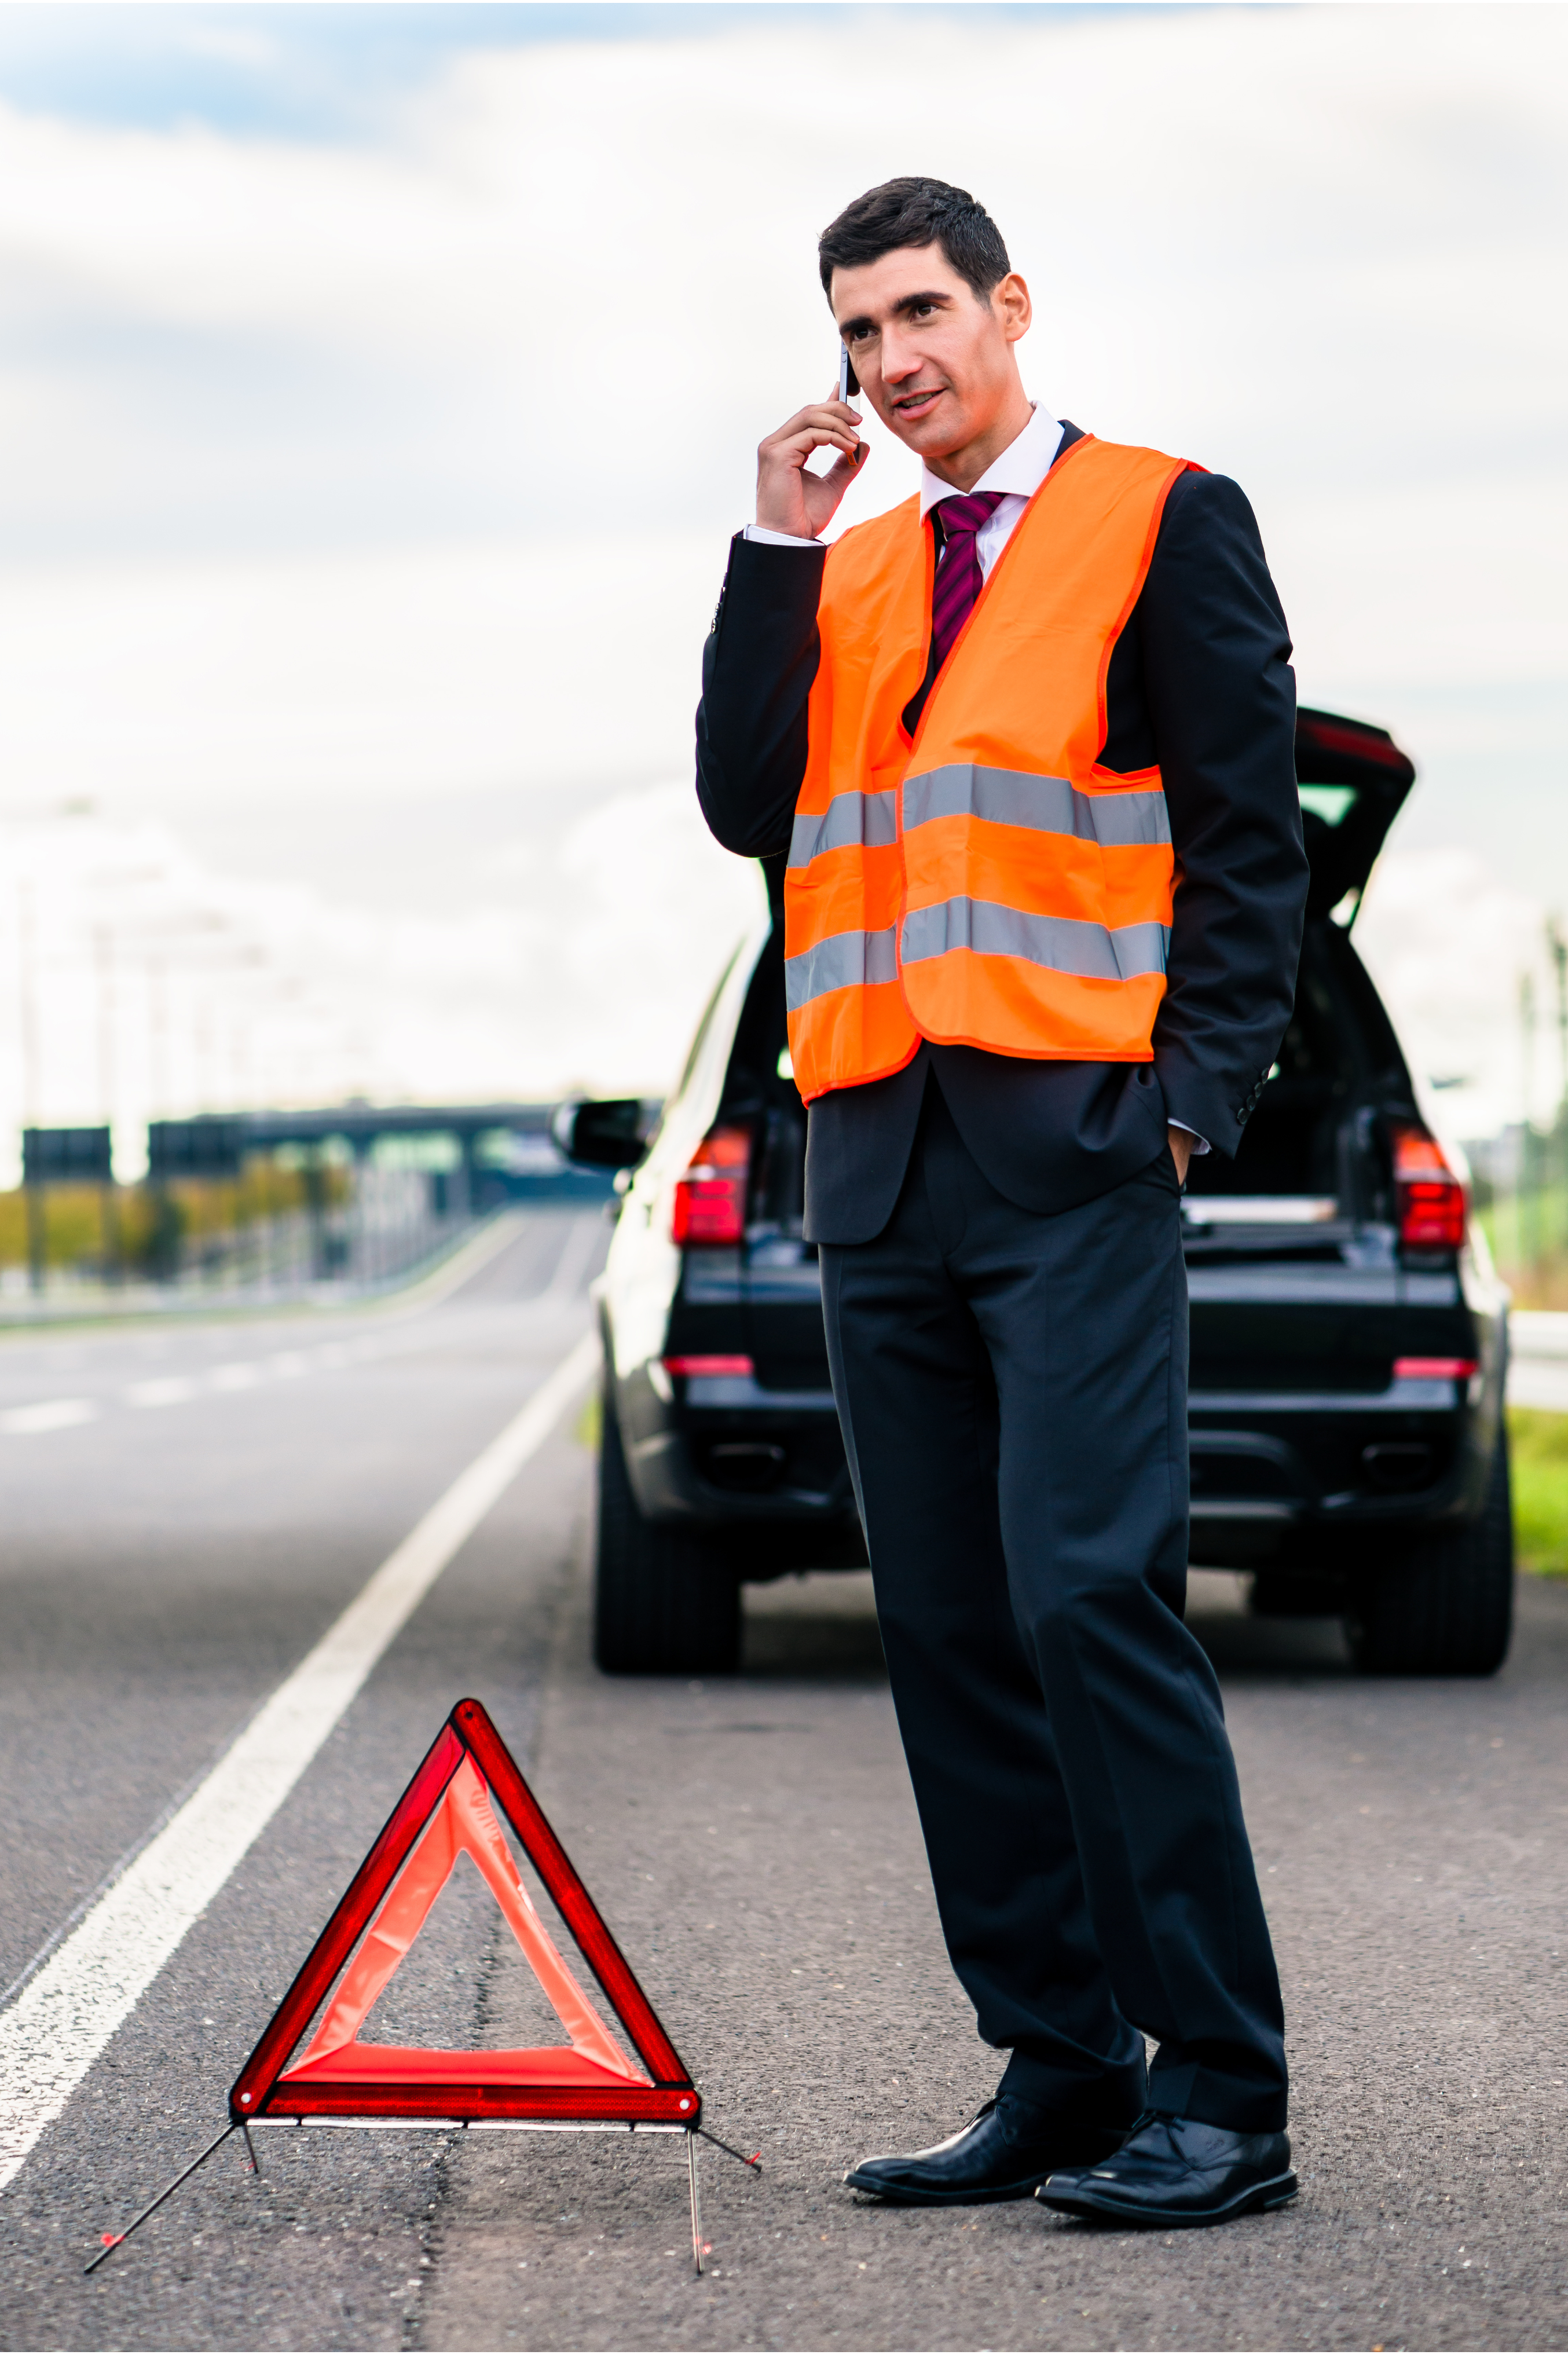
(1295, 1480)
(1317, 1482)
(722, 1449)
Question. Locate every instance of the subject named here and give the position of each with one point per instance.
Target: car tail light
(710, 1365)
(1434, 1370)
(710, 1200)
(1431, 1199)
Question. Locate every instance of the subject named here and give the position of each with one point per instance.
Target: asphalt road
(170, 1554)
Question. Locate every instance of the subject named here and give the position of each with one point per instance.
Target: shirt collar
(1020, 470)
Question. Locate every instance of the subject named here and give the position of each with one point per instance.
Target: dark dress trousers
(1005, 1309)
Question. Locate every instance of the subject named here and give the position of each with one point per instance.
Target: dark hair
(916, 211)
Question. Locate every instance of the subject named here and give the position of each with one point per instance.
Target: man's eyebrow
(937, 297)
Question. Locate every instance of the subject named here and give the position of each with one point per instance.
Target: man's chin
(932, 436)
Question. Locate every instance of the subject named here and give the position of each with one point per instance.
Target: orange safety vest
(987, 883)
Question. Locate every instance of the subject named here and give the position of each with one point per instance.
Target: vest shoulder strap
(862, 553)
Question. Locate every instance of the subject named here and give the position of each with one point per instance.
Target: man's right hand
(791, 500)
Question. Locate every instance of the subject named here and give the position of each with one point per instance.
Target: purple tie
(958, 576)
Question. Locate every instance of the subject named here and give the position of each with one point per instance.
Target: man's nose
(898, 359)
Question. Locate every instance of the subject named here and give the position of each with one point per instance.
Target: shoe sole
(1278, 2192)
(893, 2197)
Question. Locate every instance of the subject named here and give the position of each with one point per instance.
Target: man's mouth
(915, 404)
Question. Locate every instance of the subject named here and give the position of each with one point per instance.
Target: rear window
(1329, 803)
(1353, 779)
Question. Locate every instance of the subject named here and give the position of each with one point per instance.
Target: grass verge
(1539, 1445)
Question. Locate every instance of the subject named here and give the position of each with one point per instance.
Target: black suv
(1348, 1335)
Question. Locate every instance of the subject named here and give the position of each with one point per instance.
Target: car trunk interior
(1309, 1155)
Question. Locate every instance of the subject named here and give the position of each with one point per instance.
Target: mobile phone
(848, 382)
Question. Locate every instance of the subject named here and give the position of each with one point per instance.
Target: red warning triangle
(447, 1812)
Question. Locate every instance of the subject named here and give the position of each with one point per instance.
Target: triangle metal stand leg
(755, 2162)
(111, 2240)
(696, 2210)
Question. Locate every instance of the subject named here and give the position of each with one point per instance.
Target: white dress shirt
(1018, 473)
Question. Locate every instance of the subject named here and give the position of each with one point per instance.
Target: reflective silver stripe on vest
(1047, 804)
(869, 818)
(846, 960)
(1062, 943)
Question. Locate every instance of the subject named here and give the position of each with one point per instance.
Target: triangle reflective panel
(449, 1809)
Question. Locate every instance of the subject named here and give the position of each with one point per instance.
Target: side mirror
(608, 1133)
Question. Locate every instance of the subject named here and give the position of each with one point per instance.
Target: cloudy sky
(380, 385)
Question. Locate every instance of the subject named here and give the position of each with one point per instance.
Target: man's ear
(1015, 312)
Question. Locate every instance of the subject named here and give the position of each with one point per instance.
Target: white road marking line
(502, 1227)
(576, 1250)
(50, 1414)
(169, 1389)
(237, 1377)
(64, 2018)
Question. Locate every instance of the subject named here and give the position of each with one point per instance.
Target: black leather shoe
(1177, 2171)
(1006, 2149)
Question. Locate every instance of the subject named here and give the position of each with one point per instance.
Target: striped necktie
(958, 576)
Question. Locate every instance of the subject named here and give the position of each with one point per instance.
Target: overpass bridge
(352, 1193)
(500, 1151)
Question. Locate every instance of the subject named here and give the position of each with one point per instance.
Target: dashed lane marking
(166, 1390)
(49, 1415)
(179, 1390)
(581, 1240)
(64, 2017)
(578, 1247)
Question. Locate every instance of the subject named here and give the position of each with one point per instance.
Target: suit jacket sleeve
(758, 669)
(1215, 660)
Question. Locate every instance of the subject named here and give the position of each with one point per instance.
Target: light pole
(27, 941)
(104, 969)
(1557, 942)
(1529, 1219)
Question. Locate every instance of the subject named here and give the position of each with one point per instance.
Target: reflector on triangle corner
(447, 1812)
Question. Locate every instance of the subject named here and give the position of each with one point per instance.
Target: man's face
(934, 359)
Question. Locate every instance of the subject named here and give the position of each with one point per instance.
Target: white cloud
(358, 673)
(145, 984)
(400, 470)
(1449, 945)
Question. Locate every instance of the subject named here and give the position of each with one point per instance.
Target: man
(1026, 742)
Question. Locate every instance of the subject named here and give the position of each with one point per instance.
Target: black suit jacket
(1199, 681)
